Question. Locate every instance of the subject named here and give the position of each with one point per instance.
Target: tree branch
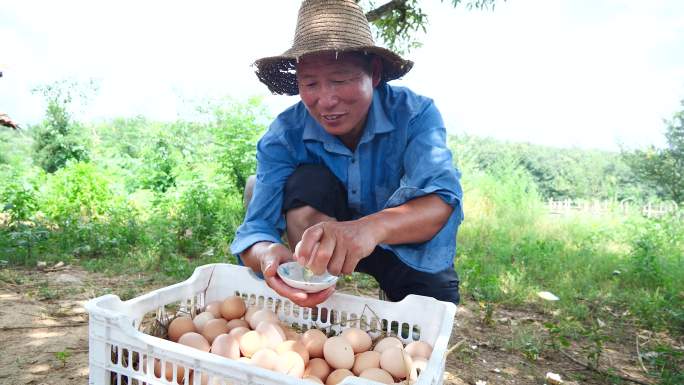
(384, 9)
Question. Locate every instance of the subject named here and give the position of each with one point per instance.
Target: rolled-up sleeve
(264, 220)
(429, 169)
(428, 164)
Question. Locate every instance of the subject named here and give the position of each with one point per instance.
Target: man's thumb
(268, 265)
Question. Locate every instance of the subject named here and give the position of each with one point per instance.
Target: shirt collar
(376, 123)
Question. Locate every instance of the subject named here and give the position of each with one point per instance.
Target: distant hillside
(560, 173)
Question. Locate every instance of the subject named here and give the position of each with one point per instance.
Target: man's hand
(336, 246)
(269, 259)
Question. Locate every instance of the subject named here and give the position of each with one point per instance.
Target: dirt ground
(44, 335)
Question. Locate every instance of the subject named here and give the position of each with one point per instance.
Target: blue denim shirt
(402, 155)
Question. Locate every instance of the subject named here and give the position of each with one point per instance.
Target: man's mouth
(331, 117)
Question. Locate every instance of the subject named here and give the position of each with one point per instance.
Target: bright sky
(588, 73)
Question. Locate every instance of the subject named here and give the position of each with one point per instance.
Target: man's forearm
(415, 221)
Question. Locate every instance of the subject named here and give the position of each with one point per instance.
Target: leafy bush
(236, 129)
(58, 139)
(91, 217)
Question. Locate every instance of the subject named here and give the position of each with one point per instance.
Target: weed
(46, 293)
(63, 356)
(528, 341)
(666, 364)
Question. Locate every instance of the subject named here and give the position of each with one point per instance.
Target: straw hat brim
(279, 73)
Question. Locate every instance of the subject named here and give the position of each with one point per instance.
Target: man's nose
(328, 97)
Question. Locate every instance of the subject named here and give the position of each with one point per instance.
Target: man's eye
(339, 81)
(310, 85)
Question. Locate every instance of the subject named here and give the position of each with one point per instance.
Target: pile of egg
(257, 337)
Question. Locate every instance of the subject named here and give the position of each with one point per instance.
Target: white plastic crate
(121, 354)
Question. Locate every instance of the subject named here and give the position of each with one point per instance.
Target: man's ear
(376, 70)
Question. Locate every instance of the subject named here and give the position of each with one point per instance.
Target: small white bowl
(293, 275)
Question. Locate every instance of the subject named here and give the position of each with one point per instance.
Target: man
(357, 175)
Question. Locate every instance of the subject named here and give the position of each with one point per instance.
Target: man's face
(338, 92)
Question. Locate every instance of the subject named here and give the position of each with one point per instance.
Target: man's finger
(349, 265)
(310, 238)
(319, 261)
(268, 265)
(337, 261)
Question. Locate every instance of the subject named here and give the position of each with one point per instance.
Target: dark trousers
(316, 186)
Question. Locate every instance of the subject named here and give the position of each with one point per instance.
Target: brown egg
(365, 360)
(262, 315)
(312, 379)
(396, 361)
(265, 358)
(419, 349)
(337, 376)
(317, 367)
(195, 340)
(201, 319)
(213, 328)
(290, 363)
(377, 374)
(296, 347)
(338, 353)
(250, 312)
(180, 326)
(236, 323)
(168, 372)
(419, 364)
(214, 308)
(227, 346)
(233, 307)
(272, 333)
(388, 342)
(250, 343)
(314, 340)
(359, 340)
(238, 332)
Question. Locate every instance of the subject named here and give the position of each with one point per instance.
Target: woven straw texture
(326, 26)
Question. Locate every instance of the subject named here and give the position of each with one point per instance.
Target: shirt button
(353, 160)
(353, 191)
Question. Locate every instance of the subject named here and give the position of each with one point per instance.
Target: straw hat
(326, 26)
